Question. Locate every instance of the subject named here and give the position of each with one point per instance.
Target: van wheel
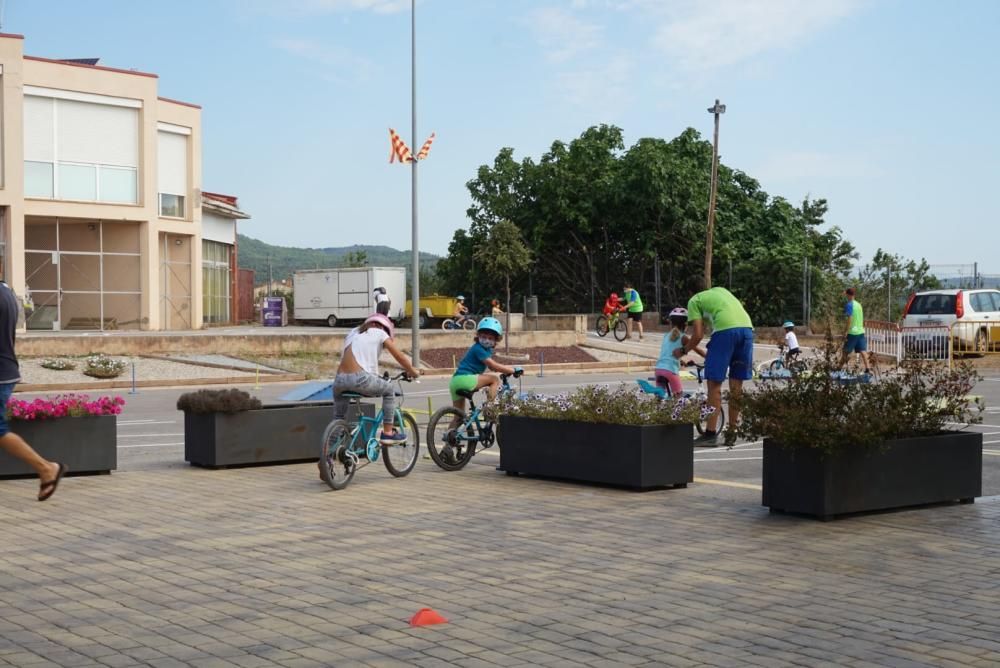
(331, 321)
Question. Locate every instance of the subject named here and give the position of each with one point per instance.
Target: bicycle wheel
(469, 324)
(448, 324)
(602, 325)
(401, 458)
(702, 425)
(775, 368)
(621, 330)
(445, 447)
(336, 463)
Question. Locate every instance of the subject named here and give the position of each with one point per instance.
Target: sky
(886, 108)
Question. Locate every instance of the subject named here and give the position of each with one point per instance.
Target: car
(970, 318)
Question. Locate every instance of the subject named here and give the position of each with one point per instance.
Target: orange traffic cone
(427, 617)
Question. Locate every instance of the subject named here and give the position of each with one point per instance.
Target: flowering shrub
(205, 402)
(102, 366)
(63, 405)
(623, 404)
(58, 364)
(824, 409)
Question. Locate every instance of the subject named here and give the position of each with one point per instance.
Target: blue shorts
(730, 350)
(6, 389)
(855, 343)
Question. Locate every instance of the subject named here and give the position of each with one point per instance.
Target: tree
(504, 254)
(356, 259)
(884, 284)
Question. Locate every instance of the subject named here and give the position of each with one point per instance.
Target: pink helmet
(382, 320)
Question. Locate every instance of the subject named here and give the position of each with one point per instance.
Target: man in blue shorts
(855, 341)
(729, 350)
(49, 473)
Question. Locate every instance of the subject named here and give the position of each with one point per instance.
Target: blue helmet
(788, 323)
(490, 325)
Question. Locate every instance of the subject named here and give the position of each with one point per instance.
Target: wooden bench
(91, 323)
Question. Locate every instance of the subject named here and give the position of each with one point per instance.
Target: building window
(215, 262)
(171, 206)
(80, 150)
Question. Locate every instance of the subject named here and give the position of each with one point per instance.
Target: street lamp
(415, 311)
(717, 110)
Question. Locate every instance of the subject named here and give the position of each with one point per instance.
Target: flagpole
(415, 312)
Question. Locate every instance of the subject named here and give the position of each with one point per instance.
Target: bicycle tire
(396, 462)
(602, 325)
(334, 463)
(621, 329)
(448, 324)
(702, 425)
(440, 435)
(775, 366)
(469, 324)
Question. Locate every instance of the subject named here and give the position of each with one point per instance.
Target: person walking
(382, 301)
(49, 473)
(855, 340)
(633, 305)
(730, 349)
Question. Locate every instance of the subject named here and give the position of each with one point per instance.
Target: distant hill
(287, 260)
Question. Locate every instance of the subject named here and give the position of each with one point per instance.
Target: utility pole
(717, 111)
(415, 243)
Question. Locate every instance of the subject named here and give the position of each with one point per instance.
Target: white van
(971, 316)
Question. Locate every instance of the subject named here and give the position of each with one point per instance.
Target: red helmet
(382, 320)
(613, 297)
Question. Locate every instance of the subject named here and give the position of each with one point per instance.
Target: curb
(178, 382)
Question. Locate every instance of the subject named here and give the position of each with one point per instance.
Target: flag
(426, 148)
(399, 149)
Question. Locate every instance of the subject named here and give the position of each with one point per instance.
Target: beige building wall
(20, 71)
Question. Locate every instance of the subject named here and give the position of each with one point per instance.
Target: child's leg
(371, 385)
(490, 382)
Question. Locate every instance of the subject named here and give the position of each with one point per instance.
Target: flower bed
(102, 366)
(62, 406)
(58, 364)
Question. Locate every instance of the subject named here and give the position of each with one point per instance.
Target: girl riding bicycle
(612, 305)
(358, 372)
(668, 366)
(471, 371)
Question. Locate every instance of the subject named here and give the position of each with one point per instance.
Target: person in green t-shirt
(855, 341)
(633, 306)
(730, 350)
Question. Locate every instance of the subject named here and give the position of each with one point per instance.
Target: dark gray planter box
(906, 472)
(646, 457)
(274, 434)
(87, 445)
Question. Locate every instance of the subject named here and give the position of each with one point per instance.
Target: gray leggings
(365, 384)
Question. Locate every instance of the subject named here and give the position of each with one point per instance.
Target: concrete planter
(274, 434)
(646, 457)
(905, 472)
(87, 445)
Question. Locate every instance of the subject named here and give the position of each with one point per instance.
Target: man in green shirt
(729, 350)
(855, 341)
(633, 305)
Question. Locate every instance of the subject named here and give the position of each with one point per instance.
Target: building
(219, 252)
(101, 212)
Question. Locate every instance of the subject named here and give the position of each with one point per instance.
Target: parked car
(970, 317)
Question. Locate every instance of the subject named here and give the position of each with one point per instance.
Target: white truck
(339, 295)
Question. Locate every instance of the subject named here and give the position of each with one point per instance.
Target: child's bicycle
(452, 447)
(784, 366)
(348, 447)
(467, 323)
(700, 395)
(612, 323)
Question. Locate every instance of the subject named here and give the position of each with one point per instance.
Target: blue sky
(886, 108)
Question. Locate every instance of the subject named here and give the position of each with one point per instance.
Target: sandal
(47, 489)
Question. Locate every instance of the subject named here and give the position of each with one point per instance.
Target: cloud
(562, 35)
(330, 6)
(339, 62)
(706, 35)
(603, 89)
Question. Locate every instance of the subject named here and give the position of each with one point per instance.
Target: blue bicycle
(348, 447)
(453, 436)
(701, 396)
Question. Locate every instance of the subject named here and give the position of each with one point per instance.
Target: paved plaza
(164, 565)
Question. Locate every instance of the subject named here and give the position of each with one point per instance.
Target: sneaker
(395, 438)
(447, 454)
(707, 440)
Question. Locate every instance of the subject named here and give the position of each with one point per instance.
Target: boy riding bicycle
(461, 312)
(612, 305)
(471, 371)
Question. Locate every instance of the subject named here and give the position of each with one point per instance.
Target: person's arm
(404, 361)
(696, 336)
(849, 312)
(493, 365)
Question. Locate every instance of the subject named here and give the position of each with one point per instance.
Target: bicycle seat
(468, 394)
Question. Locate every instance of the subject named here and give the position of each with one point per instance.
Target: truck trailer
(345, 295)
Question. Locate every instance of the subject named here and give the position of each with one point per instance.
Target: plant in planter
(613, 435)
(57, 364)
(833, 447)
(205, 402)
(102, 366)
(70, 428)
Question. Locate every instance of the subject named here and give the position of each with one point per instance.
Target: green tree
(357, 258)
(504, 254)
(884, 284)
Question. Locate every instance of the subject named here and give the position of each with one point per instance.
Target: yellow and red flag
(400, 151)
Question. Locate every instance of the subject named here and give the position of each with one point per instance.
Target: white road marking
(147, 435)
(150, 445)
(727, 459)
(145, 422)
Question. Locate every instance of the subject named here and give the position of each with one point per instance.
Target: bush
(205, 402)
(624, 405)
(58, 364)
(63, 405)
(824, 408)
(102, 366)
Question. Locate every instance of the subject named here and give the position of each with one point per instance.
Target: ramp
(317, 390)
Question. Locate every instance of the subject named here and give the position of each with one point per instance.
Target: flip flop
(47, 489)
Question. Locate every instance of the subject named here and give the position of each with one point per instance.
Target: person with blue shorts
(855, 341)
(730, 352)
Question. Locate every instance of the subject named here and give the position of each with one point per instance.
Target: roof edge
(11, 35)
(56, 61)
(184, 104)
